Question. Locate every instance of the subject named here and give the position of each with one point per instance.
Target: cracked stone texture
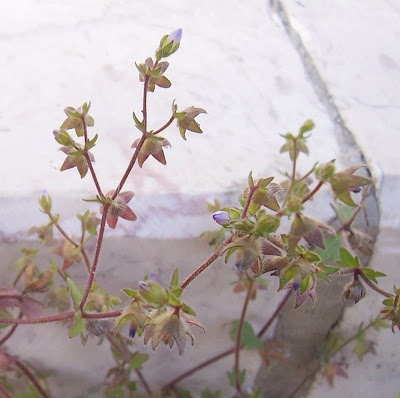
(237, 62)
(348, 56)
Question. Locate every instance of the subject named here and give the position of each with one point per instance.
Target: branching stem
(228, 352)
(88, 160)
(32, 379)
(311, 375)
(206, 264)
(239, 336)
(172, 118)
(90, 279)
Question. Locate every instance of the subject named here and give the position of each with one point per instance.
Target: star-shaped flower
(119, 208)
(186, 119)
(76, 158)
(169, 327)
(152, 146)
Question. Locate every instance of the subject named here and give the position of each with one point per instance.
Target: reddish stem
(230, 350)
(373, 286)
(140, 144)
(144, 382)
(61, 317)
(87, 157)
(32, 379)
(11, 331)
(275, 314)
(70, 240)
(4, 392)
(96, 256)
(165, 125)
(313, 192)
(249, 198)
(239, 336)
(205, 265)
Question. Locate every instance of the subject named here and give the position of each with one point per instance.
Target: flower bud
(221, 217)
(354, 291)
(169, 44)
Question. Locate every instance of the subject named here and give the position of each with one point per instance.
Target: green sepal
(139, 124)
(347, 260)
(372, 274)
(91, 143)
(76, 293)
(175, 279)
(249, 339)
(78, 326)
(188, 310)
(137, 360)
(131, 293)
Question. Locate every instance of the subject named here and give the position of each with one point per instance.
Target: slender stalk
(124, 351)
(309, 173)
(70, 240)
(4, 392)
(61, 317)
(198, 367)
(144, 382)
(87, 157)
(313, 192)
(372, 285)
(18, 277)
(347, 224)
(294, 165)
(249, 198)
(239, 336)
(165, 125)
(11, 331)
(102, 315)
(96, 256)
(140, 144)
(206, 264)
(32, 379)
(229, 351)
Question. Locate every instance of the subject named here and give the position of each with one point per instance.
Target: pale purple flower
(221, 217)
(175, 36)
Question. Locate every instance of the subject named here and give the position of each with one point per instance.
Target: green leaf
(182, 393)
(304, 284)
(139, 125)
(91, 143)
(131, 386)
(343, 211)
(137, 360)
(31, 393)
(175, 279)
(372, 274)
(188, 310)
(78, 326)
(347, 260)
(76, 293)
(250, 180)
(4, 314)
(332, 246)
(380, 324)
(249, 339)
(131, 293)
(307, 126)
(231, 377)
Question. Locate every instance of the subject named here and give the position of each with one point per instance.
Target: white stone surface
(234, 61)
(355, 48)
